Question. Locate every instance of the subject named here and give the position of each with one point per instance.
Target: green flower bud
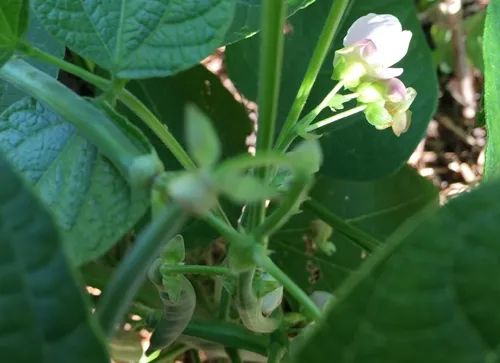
(348, 71)
(377, 115)
(370, 92)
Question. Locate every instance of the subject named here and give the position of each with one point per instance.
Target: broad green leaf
(377, 207)
(39, 37)
(168, 98)
(136, 38)
(353, 149)
(92, 202)
(13, 24)
(431, 295)
(492, 88)
(247, 17)
(44, 317)
(202, 140)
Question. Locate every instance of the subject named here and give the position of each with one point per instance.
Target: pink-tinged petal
(386, 73)
(397, 90)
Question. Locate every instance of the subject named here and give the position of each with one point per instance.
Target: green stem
(228, 334)
(224, 304)
(224, 228)
(194, 356)
(310, 308)
(234, 355)
(311, 116)
(271, 58)
(336, 117)
(273, 17)
(364, 240)
(197, 269)
(272, 20)
(131, 273)
(285, 210)
(39, 54)
(287, 139)
(326, 37)
(158, 128)
(276, 352)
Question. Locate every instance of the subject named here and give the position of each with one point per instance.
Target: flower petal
(401, 123)
(360, 30)
(393, 48)
(396, 90)
(386, 33)
(385, 73)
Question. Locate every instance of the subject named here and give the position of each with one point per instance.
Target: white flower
(373, 44)
(390, 41)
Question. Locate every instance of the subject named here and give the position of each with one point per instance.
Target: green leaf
(44, 317)
(92, 202)
(247, 17)
(202, 140)
(377, 207)
(492, 89)
(13, 24)
(352, 148)
(174, 252)
(430, 296)
(244, 188)
(38, 36)
(136, 38)
(169, 97)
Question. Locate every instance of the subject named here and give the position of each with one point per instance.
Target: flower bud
(348, 70)
(388, 104)
(370, 92)
(377, 115)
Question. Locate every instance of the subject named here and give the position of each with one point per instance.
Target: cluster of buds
(373, 44)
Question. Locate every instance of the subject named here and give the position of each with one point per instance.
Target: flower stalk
(334, 118)
(325, 40)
